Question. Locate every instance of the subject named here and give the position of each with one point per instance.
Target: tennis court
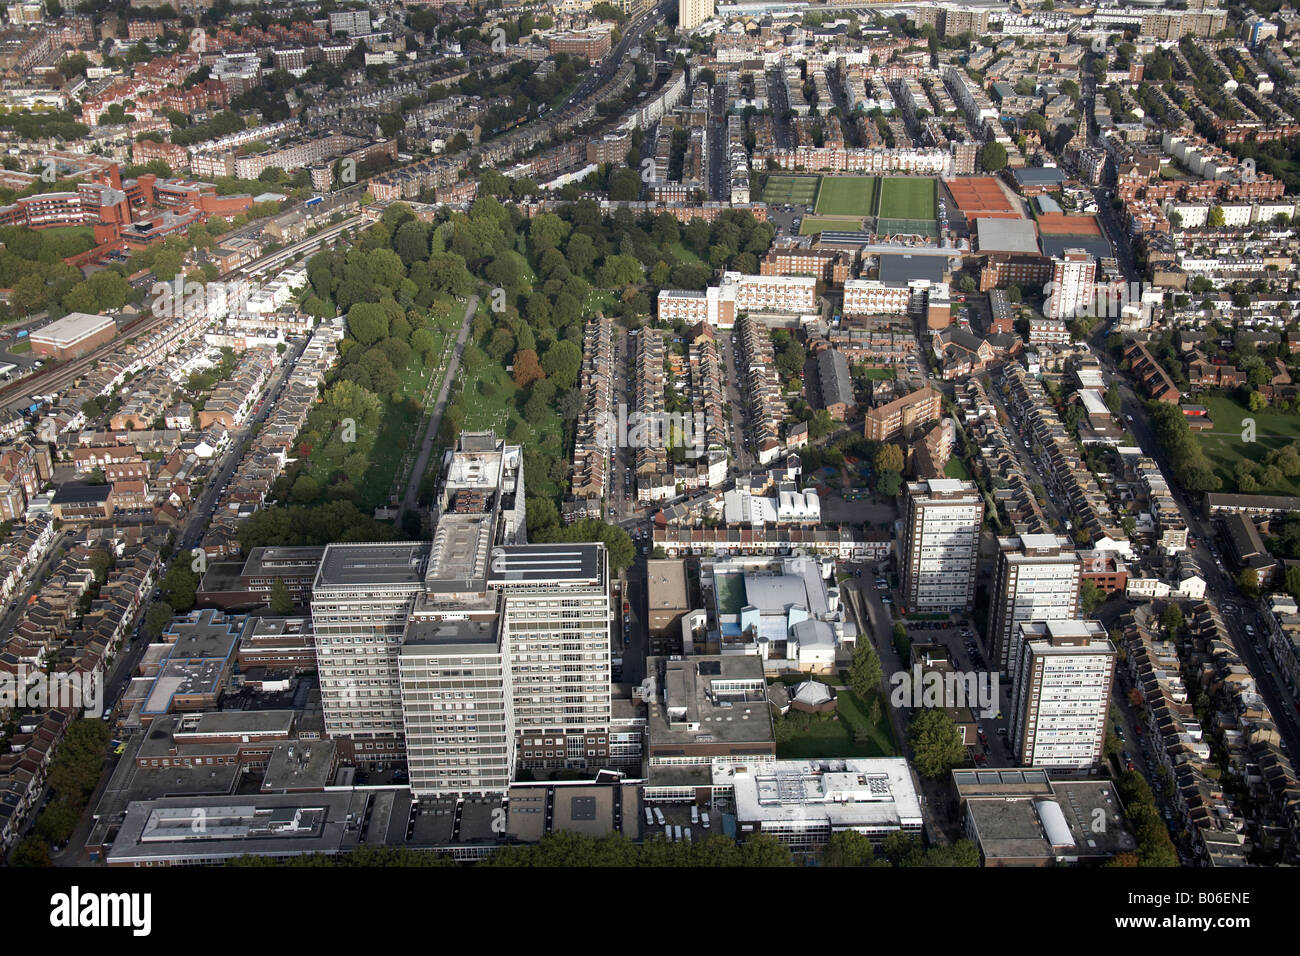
(907, 198)
(846, 196)
(790, 189)
(907, 227)
(812, 224)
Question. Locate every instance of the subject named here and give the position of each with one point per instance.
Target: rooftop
(524, 564)
(373, 565)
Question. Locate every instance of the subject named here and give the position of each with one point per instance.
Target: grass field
(783, 188)
(907, 198)
(813, 224)
(1224, 446)
(846, 196)
(852, 735)
(956, 469)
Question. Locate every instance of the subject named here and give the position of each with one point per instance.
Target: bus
(314, 201)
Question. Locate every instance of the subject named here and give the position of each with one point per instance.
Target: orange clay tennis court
(980, 197)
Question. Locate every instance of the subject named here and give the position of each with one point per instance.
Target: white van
(649, 817)
(695, 814)
(677, 832)
(704, 818)
(688, 834)
(659, 816)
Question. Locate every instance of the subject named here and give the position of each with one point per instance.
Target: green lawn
(814, 224)
(846, 196)
(851, 735)
(1224, 444)
(956, 469)
(23, 345)
(784, 188)
(879, 374)
(907, 198)
(686, 256)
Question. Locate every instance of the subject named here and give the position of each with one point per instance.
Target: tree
(993, 157)
(889, 457)
(1172, 619)
(936, 743)
(1114, 399)
(1091, 596)
(156, 619)
(865, 673)
(1215, 218)
(527, 368)
(1248, 582)
(848, 848)
(902, 643)
(281, 599)
(888, 483)
(33, 851)
(1292, 582)
(1256, 402)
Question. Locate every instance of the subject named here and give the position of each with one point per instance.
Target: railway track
(54, 378)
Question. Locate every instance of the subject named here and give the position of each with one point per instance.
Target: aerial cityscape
(745, 433)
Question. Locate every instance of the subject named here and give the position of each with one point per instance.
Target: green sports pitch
(846, 196)
(790, 189)
(907, 198)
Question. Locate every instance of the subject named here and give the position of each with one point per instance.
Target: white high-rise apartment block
(458, 707)
(556, 621)
(475, 652)
(1037, 579)
(692, 13)
(1060, 696)
(940, 544)
(361, 600)
(1074, 276)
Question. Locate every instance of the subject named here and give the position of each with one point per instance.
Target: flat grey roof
(666, 584)
(1098, 246)
(282, 559)
(547, 563)
(904, 266)
(424, 637)
(72, 328)
(364, 565)
(1006, 235)
(300, 765)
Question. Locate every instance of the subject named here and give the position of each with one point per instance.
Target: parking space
(677, 821)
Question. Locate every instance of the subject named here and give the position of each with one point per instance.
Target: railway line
(18, 395)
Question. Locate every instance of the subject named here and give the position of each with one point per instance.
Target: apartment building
(1037, 578)
(1074, 275)
(556, 622)
(898, 417)
(692, 13)
(1060, 694)
(873, 297)
(592, 44)
(458, 707)
(940, 544)
(362, 598)
(719, 305)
